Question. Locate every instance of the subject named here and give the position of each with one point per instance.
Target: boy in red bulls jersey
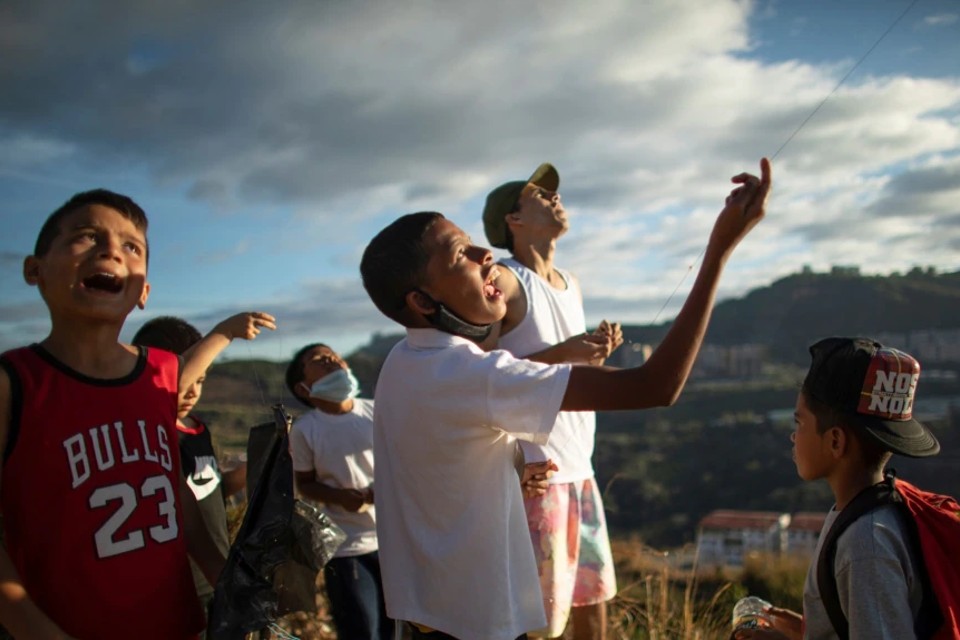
(97, 517)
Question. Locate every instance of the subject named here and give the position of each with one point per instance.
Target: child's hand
(613, 335)
(246, 325)
(787, 625)
(784, 620)
(535, 475)
(352, 499)
(745, 207)
(584, 348)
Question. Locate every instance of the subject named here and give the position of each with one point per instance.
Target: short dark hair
(116, 201)
(395, 261)
(168, 333)
(875, 456)
(294, 374)
(827, 417)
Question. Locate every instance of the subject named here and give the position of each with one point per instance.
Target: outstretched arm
(659, 381)
(584, 348)
(198, 358)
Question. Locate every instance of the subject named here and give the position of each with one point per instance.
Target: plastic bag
(281, 545)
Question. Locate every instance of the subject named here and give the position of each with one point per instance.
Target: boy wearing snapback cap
(854, 411)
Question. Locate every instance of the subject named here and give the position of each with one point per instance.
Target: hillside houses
(725, 537)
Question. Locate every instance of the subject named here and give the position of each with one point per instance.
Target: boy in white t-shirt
(332, 451)
(457, 560)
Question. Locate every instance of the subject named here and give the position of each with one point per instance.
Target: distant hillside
(796, 310)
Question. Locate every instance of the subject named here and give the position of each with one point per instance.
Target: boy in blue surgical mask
(332, 451)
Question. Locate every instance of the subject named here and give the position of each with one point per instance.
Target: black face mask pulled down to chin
(447, 321)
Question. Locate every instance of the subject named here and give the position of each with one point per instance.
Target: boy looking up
(456, 554)
(853, 412)
(198, 459)
(332, 451)
(544, 321)
(97, 516)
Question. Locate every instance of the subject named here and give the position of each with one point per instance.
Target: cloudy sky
(269, 141)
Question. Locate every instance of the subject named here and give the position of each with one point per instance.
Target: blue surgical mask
(339, 386)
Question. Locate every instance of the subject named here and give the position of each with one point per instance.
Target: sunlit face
(96, 267)
(318, 363)
(190, 397)
(540, 210)
(811, 450)
(462, 275)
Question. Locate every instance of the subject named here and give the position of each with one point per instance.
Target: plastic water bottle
(749, 613)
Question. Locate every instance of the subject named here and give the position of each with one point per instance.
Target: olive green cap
(503, 200)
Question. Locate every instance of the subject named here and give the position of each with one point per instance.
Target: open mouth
(490, 289)
(106, 282)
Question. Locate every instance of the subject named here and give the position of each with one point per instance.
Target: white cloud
(349, 113)
(941, 19)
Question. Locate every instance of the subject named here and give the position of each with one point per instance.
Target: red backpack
(934, 529)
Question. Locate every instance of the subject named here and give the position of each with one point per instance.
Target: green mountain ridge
(800, 308)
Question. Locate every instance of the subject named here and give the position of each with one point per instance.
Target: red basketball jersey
(91, 507)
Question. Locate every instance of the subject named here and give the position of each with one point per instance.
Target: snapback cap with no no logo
(874, 387)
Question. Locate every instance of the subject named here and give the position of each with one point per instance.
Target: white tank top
(553, 315)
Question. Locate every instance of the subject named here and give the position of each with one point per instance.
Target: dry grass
(659, 599)
(662, 598)
(662, 595)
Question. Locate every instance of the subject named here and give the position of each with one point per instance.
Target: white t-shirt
(455, 550)
(553, 315)
(339, 450)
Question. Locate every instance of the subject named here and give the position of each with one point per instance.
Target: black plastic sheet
(282, 543)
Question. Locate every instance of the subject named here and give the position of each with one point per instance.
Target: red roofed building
(725, 536)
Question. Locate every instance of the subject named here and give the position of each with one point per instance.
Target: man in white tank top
(545, 322)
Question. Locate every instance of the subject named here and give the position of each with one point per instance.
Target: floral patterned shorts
(570, 542)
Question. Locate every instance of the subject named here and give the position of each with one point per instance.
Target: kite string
(844, 78)
(256, 374)
(793, 135)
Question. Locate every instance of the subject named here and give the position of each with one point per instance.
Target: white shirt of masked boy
(339, 449)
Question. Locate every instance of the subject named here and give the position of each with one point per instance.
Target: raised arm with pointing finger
(659, 381)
